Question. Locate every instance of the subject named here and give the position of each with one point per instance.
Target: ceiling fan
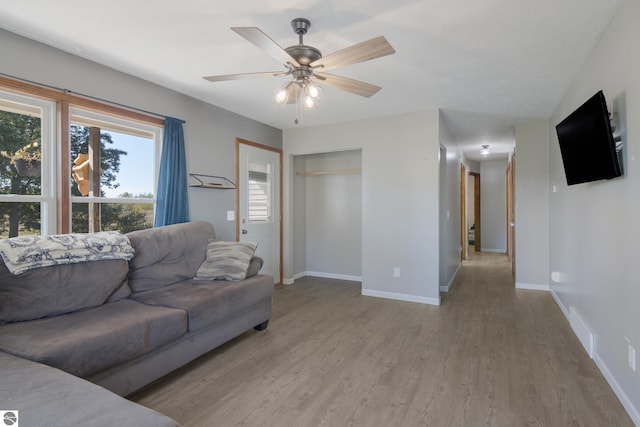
(307, 66)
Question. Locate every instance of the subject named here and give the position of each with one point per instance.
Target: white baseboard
(291, 280)
(622, 396)
(323, 275)
(401, 297)
(624, 399)
(578, 325)
(448, 286)
(532, 286)
(497, 251)
(333, 276)
(564, 309)
(582, 330)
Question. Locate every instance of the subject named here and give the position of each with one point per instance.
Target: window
(114, 173)
(27, 187)
(111, 185)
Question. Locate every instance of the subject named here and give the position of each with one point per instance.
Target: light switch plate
(231, 215)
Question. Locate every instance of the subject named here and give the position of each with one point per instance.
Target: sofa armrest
(255, 265)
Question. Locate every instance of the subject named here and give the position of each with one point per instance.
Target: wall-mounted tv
(586, 143)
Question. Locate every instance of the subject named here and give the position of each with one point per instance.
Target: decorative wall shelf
(211, 181)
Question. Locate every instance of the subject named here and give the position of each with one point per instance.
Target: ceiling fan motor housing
(302, 53)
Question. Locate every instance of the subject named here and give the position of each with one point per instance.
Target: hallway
(529, 348)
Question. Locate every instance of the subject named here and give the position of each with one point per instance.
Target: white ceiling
(487, 63)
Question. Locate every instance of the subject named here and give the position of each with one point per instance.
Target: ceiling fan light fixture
(308, 102)
(283, 94)
(313, 91)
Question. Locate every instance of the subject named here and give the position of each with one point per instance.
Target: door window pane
(259, 194)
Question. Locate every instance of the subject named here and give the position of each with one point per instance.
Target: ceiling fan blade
(350, 85)
(245, 76)
(265, 43)
(360, 52)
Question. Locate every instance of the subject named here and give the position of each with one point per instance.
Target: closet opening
(327, 215)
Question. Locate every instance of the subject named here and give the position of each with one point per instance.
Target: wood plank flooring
(489, 355)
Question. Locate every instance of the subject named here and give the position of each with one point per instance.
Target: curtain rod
(94, 98)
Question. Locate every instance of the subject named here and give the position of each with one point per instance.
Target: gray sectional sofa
(119, 324)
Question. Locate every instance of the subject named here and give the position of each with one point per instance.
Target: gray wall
(594, 232)
(493, 205)
(449, 207)
(210, 132)
(399, 199)
(532, 205)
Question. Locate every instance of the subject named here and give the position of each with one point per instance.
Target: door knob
(244, 231)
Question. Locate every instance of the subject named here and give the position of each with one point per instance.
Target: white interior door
(259, 204)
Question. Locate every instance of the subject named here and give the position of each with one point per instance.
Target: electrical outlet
(396, 272)
(632, 358)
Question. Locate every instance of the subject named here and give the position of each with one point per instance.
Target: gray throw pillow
(226, 261)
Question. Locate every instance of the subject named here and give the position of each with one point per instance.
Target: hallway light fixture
(484, 152)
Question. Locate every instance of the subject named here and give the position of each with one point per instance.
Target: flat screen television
(587, 145)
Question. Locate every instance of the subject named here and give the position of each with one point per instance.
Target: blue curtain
(172, 204)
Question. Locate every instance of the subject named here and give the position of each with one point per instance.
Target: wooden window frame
(62, 141)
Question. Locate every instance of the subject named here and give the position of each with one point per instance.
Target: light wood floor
(489, 355)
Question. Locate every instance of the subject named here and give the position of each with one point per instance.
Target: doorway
(474, 223)
(259, 202)
(464, 240)
(511, 214)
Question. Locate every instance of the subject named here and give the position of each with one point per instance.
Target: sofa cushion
(88, 341)
(167, 255)
(209, 302)
(57, 289)
(226, 260)
(45, 396)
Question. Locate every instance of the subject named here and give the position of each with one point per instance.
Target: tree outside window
(20, 172)
(20, 176)
(123, 217)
